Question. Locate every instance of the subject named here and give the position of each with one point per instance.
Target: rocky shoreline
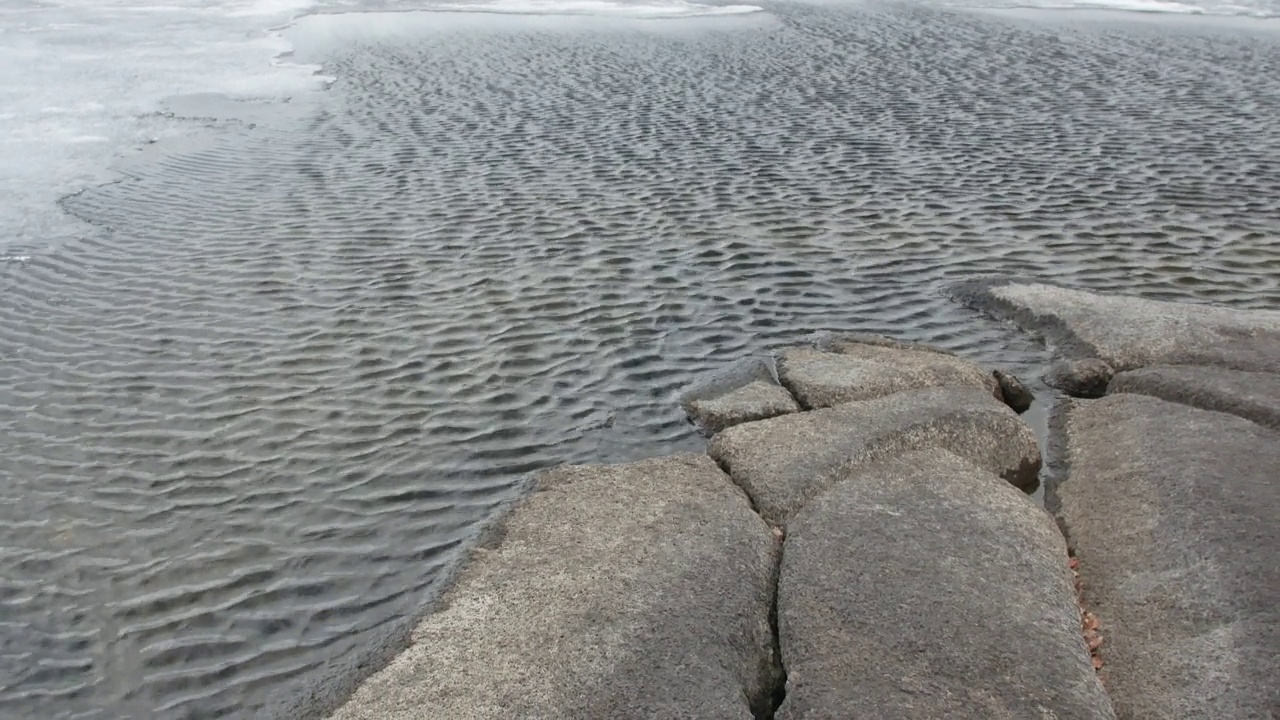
(858, 541)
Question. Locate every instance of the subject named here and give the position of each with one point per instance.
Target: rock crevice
(1165, 488)
(782, 462)
(923, 586)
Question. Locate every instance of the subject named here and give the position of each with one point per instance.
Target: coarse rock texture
(783, 461)
(839, 341)
(1015, 394)
(861, 371)
(630, 591)
(925, 587)
(1129, 332)
(1084, 377)
(757, 400)
(1250, 395)
(1174, 514)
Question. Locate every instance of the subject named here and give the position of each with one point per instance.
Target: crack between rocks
(775, 694)
(795, 395)
(1183, 402)
(765, 705)
(1057, 467)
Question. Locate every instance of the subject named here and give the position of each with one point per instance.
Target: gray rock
(1174, 513)
(757, 400)
(1015, 394)
(1084, 378)
(631, 591)
(1130, 332)
(858, 371)
(837, 343)
(924, 587)
(733, 375)
(783, 461)
(1250, 395)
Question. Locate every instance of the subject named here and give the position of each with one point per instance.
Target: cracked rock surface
(623, 591)
(1251, 395)
(855, 370)
(1129, 332)
(926, 587)
(783, 461)
(757, 400)
(1173, 512)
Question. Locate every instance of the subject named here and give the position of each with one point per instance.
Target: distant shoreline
(1103, 15)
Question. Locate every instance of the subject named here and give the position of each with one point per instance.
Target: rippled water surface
(253, 413)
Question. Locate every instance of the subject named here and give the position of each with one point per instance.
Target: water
(258, 392)
(1244, 8)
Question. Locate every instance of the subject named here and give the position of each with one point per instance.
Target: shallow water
(252, 415)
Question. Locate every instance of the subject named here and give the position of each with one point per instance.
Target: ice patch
(81, 83)
(668, 9)
(1138, 6)
(271, 8)
(1248, 8)
(1153, 6)
(319, 36)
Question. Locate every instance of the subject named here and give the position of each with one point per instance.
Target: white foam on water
(81, 82)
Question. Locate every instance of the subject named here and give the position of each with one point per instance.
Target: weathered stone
(1084, 378)
(757, 400)
(924, 587)
(1250, 395)
(631, 591)
(783, 461)
(1129, 332)
(1174, 512)
(858, 371)
(739, 392)
(840, 341)
(1015, 394)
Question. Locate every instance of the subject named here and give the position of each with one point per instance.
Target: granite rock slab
(757, 400)
(838, 341)
(627, 591)
(782, 462)
(1251, 395)
(853, 371)
(1174, 514)
(1129, 332)
(925, 587)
